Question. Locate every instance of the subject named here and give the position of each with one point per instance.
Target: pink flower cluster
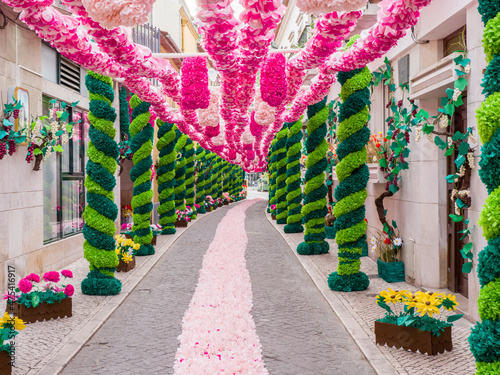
(210, 116)
(218, 332)
(113, 13)
(327, 6)
(194, 83)
(273, 86)
(25, 285)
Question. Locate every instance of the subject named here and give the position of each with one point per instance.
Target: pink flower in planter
(69, 290)
(33, 277)
(12, 297)
(67, 273)
(196, 205)
(124, 226)
(52, 276)
(25, 286)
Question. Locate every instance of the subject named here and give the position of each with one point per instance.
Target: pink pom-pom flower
(69, 290)
(25, 286)
(52, 276)
(114, 13)
(67, 273)
(194, 83)
(33, 277)
(273, 86)
(212, 131)
(255, 128)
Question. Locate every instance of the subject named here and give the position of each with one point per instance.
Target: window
(63, 180)
(59, 69)
(454, 42)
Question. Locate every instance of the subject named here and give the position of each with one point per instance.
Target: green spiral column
(314, 209)
(141, 146)
(353, 175)
(217, 169)
(273, 173)
(124, 115)
(190, 151)
(209, 178)
(166, 176)
(101, 211)
(485, 337)
(281, 151)
(293, 187)
(180, 171)
(201, 179)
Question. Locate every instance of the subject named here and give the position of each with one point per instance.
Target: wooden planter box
(220, 204)
(273, 217)
(5, 363)
(209, 209)
(125, 267)
(43, 311)
(181, 224)
(413, 339)
(391, 272)
(153, 241)
(226, 203)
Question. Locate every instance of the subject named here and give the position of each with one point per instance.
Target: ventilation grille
(70, 74)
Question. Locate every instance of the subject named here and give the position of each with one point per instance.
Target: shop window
(455, 42)
(63, 179)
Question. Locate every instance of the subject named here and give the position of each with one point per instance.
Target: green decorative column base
(348, 283)
(98, 284)
(313, 248)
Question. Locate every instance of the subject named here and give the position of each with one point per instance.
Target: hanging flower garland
(113, 13)
(273, 85)
(327, 6)
(194, 83)
(190, 155)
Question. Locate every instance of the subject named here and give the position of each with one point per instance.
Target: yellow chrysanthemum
(118, 250)
(128, 242)
(18, 323)
(136, 246)
(392, 296)
(427, 304)
(126, 257)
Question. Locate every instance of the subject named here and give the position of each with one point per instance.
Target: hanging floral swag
(9, 138)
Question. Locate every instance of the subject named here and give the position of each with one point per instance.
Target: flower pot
(43, 311)
(391, 272)
(273, 217)
(226, 203)
(131, 236)
(413, 339)
(153, 241)
(219, 205)
(125, 267)
(181, 224)
(330, 232)
(209, 209)
(5, 363)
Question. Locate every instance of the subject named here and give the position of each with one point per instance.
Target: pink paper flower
(69, 290)
(51, 276)
(114, 13)
(273, 86)
(33, 277)
(67, 273)
(194, 83)
(25, 286)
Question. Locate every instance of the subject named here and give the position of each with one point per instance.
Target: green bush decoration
(209, 160)
(314, 209)
(124, 115)
(201, 174)
(141, 146)
(272, 175)
(217, 193)
(353, 175)
(101, 211)
(293, 187)
(281, 161)
(180, 171)
(166, 176)
(190, 151)
(484, 340)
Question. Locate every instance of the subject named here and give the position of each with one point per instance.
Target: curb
(374, 356)
(61, 358)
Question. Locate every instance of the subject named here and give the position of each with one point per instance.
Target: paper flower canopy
(114, 13)
(327, 6)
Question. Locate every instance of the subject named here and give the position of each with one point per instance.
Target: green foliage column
(201, 179)
(281, 151)
(485, 338)
(166, 176)
(314, 209)
(216, 182)
(101, 211)
(190, 151)
(273, 166)
(141, 146)
(180, 172)
(353, 175)
(293, 188)
(210, 176)
(124, 115)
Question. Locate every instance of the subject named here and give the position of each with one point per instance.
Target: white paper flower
(373, 240)
(398, 241)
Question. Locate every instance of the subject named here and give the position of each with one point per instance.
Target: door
(458, 281)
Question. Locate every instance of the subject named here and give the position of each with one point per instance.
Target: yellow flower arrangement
(417, 309)
(8, 322)
(126, 248)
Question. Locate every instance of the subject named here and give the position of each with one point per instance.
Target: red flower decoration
(25, 286)
(67, 273)
(33, 277)
(52, 276)
(387, 241)
(69, 290)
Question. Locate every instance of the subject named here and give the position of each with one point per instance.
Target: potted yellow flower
(9, 327)
(126, 250)
(412, 321)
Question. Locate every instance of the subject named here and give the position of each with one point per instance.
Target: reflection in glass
(50, 208)
(72, 206)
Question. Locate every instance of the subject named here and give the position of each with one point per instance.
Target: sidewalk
(358, 311)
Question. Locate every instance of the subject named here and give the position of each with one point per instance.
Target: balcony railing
(149, 36)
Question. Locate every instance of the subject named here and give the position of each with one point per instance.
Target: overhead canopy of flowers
(95, 35)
